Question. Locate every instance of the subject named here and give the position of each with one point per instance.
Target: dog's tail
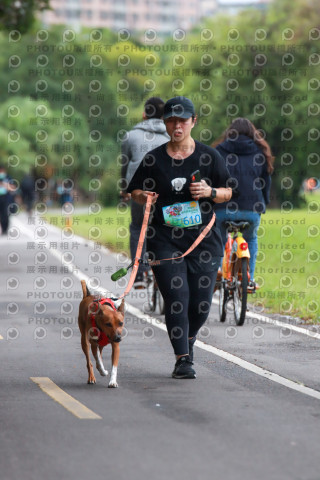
(85, 289)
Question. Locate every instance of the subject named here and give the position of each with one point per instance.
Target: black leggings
(187, 297)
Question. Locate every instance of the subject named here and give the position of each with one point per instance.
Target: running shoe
(183, 368)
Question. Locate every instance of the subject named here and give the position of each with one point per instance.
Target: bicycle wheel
(240, 291)
(223, 297)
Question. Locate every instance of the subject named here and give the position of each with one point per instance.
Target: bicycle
(235, 273)
(154, 297)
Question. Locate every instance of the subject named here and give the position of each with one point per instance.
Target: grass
(109, 227)
(288, 261)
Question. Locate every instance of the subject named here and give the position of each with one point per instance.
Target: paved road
(235, 421)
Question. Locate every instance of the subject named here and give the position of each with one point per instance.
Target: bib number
(183, 215)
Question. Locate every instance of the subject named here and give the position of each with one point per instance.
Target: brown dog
(100, 323)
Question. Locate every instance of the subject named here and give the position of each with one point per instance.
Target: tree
(263, 65)
(19, 15)
(53, 142)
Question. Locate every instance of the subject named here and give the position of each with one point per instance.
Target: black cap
(180, 107)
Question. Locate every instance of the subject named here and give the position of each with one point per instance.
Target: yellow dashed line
(68, 402)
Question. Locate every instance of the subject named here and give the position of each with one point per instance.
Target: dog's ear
(85, 289)
(121, 307)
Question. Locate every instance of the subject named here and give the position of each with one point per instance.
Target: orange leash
(140, 244)
(198, 240)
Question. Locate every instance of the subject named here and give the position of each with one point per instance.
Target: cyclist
(145, 136)
(186, 284)
(249, 160)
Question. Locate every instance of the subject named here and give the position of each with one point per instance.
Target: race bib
(183, 215)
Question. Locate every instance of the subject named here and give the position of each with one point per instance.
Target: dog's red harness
(96, 333)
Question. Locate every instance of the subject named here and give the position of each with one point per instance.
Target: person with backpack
(145, 136)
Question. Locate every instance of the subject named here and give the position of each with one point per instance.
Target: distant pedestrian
(64, 191)
(5, 199)
(27, 188)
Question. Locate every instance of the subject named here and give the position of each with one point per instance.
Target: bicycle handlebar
(236, 226)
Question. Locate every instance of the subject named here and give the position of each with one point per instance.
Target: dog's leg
(86, 350)
(98, 358)
(115, 360)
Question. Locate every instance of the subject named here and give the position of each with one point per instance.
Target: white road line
(260, 371)
(216, 351)
(232, 358)
(277, 323)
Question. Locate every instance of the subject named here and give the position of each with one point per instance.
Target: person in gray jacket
(145, 136)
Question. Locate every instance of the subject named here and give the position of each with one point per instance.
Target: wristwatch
(213, 193)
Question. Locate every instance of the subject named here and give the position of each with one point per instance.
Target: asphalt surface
(230, 423)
